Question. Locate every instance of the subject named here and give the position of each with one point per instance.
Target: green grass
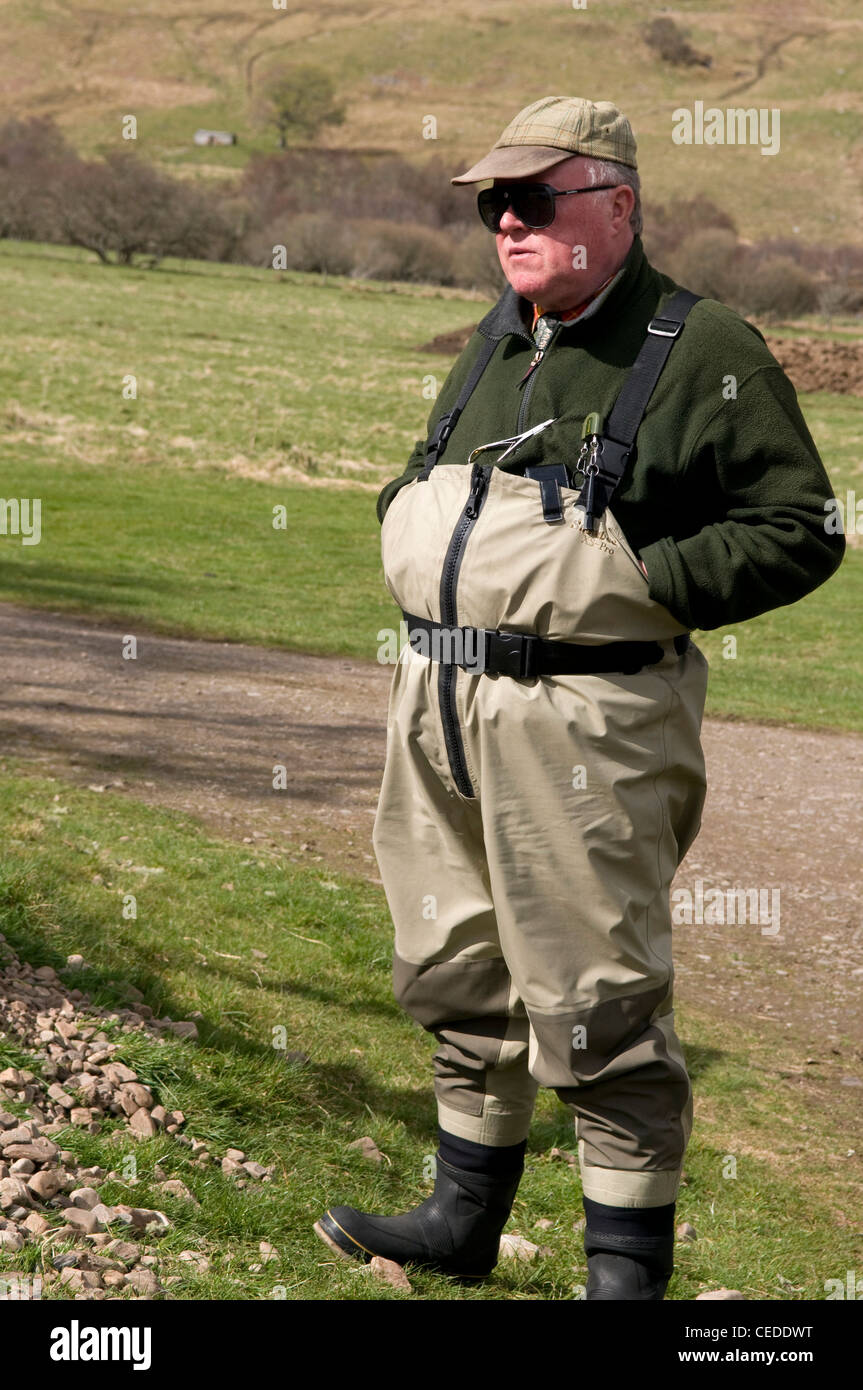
(67, 857)
(256, 392)
(180, 552)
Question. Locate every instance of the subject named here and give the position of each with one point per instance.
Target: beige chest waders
(544, 778)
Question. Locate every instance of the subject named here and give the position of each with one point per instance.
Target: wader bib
(529, 824)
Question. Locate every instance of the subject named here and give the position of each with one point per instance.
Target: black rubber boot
(456, 1230)
(632, 1268)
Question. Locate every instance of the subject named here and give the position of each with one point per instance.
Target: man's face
(546, 265)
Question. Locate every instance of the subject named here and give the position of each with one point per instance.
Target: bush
(779, 288)
(671, 45)
(366, 249)
(751, 279)
(348, 186)
(666, 227)
(33, 155)
(478, 264)
(314, 242)
(403, 251)
(710, 263)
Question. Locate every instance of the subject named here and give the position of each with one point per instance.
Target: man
(544, 773)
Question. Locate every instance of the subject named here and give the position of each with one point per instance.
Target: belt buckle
(511, 654)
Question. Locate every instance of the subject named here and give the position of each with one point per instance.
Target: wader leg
(449, 972)
(585, 821)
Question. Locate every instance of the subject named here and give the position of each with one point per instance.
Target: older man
(544, 773)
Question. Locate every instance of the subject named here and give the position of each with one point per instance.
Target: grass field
(775, 1226)
(158, 510)
(471, 66)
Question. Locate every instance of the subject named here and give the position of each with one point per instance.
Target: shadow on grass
(343, 1090)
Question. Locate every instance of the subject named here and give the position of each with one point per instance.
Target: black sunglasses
(532, 203)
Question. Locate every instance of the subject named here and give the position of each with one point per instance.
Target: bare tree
(126, 212)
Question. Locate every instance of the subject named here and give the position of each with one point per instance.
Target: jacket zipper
(448, 615)
(530, 380)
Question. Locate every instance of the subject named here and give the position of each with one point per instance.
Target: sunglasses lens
(531, 205)
(492, 204)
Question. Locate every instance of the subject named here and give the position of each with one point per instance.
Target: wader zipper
(448, 616)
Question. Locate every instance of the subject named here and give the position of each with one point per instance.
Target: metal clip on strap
(671, 327)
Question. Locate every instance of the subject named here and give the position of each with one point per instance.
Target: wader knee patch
(575, 1048)
(629, 1090)
(447, 991)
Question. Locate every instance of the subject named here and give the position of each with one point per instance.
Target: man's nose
(510, 223)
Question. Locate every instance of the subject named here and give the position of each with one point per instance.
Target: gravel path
(199, 726)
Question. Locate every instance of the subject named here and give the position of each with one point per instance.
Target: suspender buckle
(443, 437)
(671, 328)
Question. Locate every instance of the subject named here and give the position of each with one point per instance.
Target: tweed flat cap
(552, 129)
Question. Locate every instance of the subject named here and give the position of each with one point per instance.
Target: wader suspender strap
(616, 445)
(447, 423)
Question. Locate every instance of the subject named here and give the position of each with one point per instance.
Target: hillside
(470, 66)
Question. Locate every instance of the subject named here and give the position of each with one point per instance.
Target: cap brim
(515, 161)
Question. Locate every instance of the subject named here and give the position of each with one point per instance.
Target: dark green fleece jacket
(725, 500)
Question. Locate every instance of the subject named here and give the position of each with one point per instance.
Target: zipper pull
(477, 488)
(534, 362)
(543, 335)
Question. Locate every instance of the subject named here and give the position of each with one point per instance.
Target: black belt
(481, 650)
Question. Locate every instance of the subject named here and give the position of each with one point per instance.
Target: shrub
(403, 251)
(347, 185)
(478, 264)
(667, 227)
(778, 287)
(314, 242)
(671, 45)
(33, 155)
(709, 262)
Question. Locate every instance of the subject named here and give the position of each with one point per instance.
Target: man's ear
(621, 205)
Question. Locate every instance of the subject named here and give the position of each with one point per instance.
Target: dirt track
(199, 726)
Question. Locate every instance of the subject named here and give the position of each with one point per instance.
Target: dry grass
(471, 65)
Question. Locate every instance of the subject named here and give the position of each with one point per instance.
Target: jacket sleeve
(758, 494)
(446, 399)
(414, 466)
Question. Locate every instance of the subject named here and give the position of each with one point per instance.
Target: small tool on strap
(588, 463)
(513, 442)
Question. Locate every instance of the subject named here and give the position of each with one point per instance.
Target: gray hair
(609, 171)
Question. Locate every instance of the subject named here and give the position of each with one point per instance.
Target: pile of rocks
(45, 1195)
